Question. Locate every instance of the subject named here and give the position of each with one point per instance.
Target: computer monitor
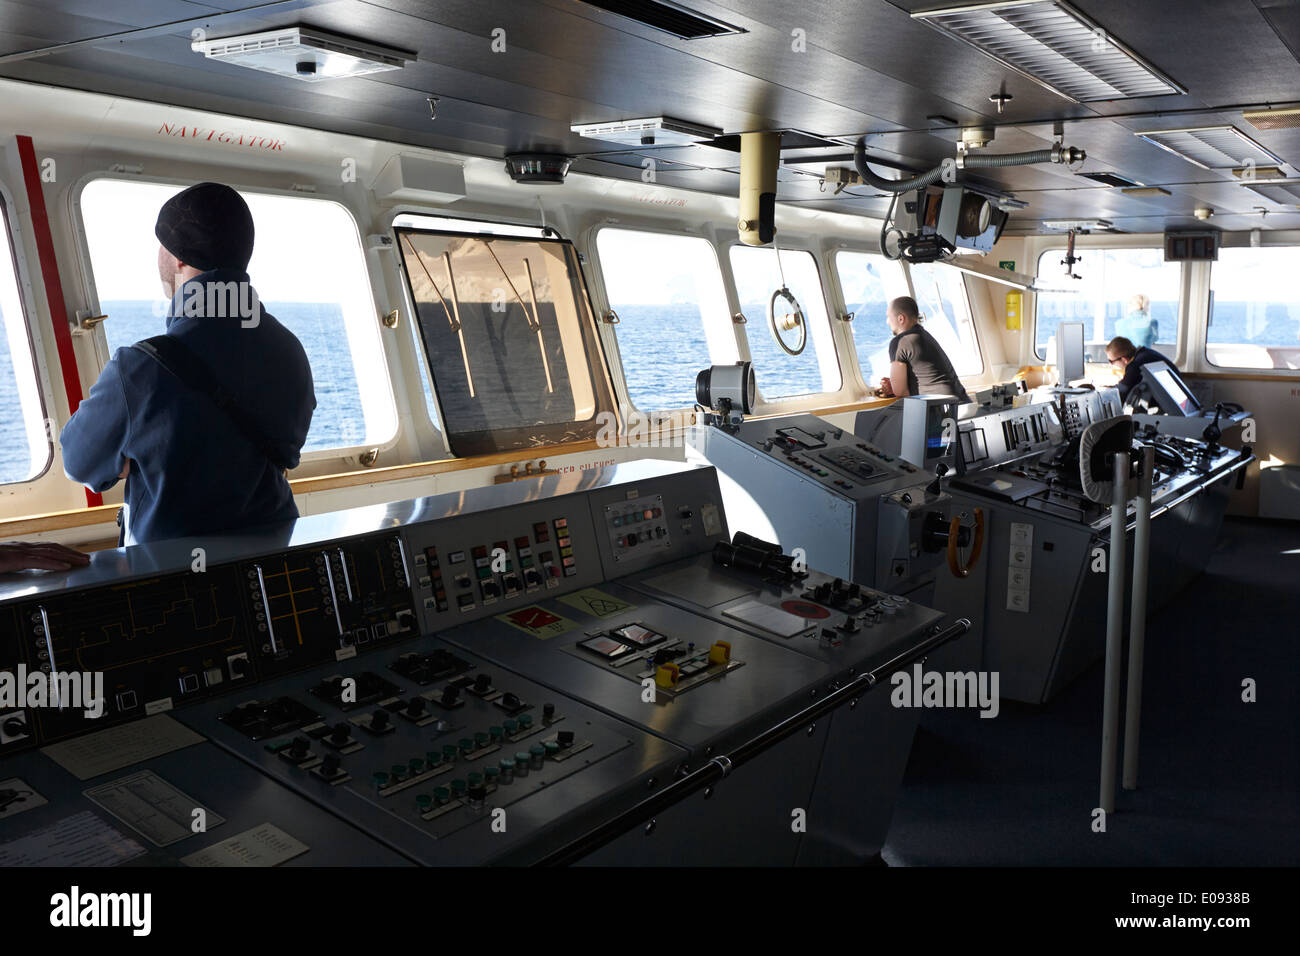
(1169, 391)
(929, 431)
(1070, 352)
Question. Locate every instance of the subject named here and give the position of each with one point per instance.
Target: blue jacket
(192, 470)
(1139, 328)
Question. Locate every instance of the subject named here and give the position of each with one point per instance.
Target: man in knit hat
(204, 421)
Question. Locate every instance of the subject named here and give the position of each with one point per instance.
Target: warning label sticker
(537, 622)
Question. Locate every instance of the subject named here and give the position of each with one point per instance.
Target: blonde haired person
(1138, 326)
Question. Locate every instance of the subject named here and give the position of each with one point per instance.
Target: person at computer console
(1122, 352)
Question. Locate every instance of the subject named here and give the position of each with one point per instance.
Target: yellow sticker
(596, 603)
(537, 622)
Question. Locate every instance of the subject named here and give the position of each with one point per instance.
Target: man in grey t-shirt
(918, 365)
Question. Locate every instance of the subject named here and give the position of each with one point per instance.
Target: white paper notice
(150, 805)
(118, 747)
(771, 619)
(16, 796)
(266, 845)
(79, 840)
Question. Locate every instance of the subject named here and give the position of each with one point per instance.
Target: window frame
(1211, 366)
(1143, 241)
(970, 313)
(100, 339)
(597, 366)
(864, 374)
(728, 288)
(35, 346)
(742, 335)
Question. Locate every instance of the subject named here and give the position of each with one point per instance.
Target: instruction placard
(596, 602)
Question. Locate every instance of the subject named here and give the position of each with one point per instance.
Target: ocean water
(663, 348)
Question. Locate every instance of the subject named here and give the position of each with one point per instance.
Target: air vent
(651, 131)
(1287, 118)
(1056, 46)
(1146, 191)
(303, 53)
(1288, 194)
(1080, 225)
(1211, 147)
(668, 17)
(1110, 179)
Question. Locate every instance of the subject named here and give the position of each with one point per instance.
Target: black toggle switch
(564, 738)
(548, 713)
(415, 707)
(482, 683)
(379, 719)
(298, 749)
(450, 694)
(330, 766)
(341, 733)
(511, 701)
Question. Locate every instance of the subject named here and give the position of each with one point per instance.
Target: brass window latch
(529, 471)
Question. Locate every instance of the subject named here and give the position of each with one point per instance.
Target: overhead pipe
(1055, 154)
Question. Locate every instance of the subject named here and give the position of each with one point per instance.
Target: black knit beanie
(207, 226)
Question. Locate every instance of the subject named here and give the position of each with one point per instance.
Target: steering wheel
(790, 320)
(955, 565)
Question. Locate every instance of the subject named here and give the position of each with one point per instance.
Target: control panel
(1005, 436)
(430, 749)
(853, 509)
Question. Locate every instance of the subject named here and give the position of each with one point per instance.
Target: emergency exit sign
(1008, 264)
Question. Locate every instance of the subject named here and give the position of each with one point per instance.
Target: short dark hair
(1122, 347)
(906, 305)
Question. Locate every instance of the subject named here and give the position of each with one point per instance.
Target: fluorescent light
(1211, 147)
(302, 53)
(651, 131)
(1145, 191)
(1055, 45)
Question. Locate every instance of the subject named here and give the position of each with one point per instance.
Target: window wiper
(453, 313)
(534, 320)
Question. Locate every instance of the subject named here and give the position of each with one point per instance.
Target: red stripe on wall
(50, 276)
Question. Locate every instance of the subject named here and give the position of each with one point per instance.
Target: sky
(290, 262)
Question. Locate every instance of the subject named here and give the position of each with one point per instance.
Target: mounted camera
(938, 220)
(728, 391)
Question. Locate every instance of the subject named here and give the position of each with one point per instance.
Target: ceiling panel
(865, 67)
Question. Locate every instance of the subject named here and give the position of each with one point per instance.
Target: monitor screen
(1169, 391)
(1069, 351)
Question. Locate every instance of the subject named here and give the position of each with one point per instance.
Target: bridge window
(23, 436)
(758, 275)
(509, 337)
(1254, 309)
(1102, 298)
(309, 271)
(940, 293)
(672, 309)
(869, 281)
